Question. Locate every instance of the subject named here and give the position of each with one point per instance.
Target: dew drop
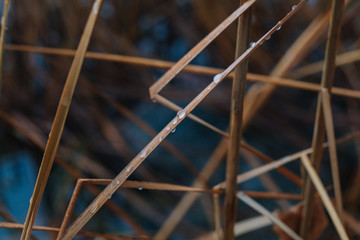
(173, 130)
(208, 88)
(143, 153)
(93, 208)
(160, 139)
(154, 101)
(128, 169)
(167, 128)
(267, 37)
(217, 78)
(117, 181)
(252, 44)
(293, 7)
(140, 188)
(110, 196)
(111, 185)
(278, 28)
(181, 113)
(174, 121)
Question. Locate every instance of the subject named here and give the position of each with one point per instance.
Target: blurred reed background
(112, 117)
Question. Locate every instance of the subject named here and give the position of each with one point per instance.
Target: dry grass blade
(59, 121)
(324, 197)
(341, 59)
(259, 208)
(2, 37)
(236, 114)
(273, 80)
(319, 128)
(169, 75)
(332, 150)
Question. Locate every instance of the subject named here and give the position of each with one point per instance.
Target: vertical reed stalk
(237, 102)
(319, 128)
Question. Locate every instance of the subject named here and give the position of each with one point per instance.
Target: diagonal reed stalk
(236, 114)
(329, 125)
(59, 121)
(319, 128)
(2, 38)
(125, 173)
(259, 208)
(324, 197)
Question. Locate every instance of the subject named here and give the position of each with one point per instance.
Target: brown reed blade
(2, 38)
(325, 98)
(341, 59)
(279, 81)
(169, 75)
(59, 122)
(235, 127)
(324, 196)
(319, 128)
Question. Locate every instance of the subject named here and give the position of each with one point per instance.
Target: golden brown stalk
(59, 121)
(319, 128)
(236, 114)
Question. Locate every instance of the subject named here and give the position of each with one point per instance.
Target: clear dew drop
(167, 128)
(278, 28)
(181, 113)
(174, 121)
(208, 88)
(143, 153)
(160, 139)
(93, 208)
(110, 196)
(140, 188)
(154, 101)
(117, 181)
(128, 169)
(293, 7)
(267, 37)
(173, 130)
(217, 78)
(252, 44)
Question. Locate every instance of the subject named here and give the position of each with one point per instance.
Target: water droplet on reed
(93, 208)
(117, 181)
(160, 139)
(293, 7)
(174, 121)
(110, 196)
(267, 37)
(143, 153)
(217, 78)
(181, 113)
(128, 169)
(173, 130)
(167, 128)
(140, 188)
(278, 28)
(252, 44)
